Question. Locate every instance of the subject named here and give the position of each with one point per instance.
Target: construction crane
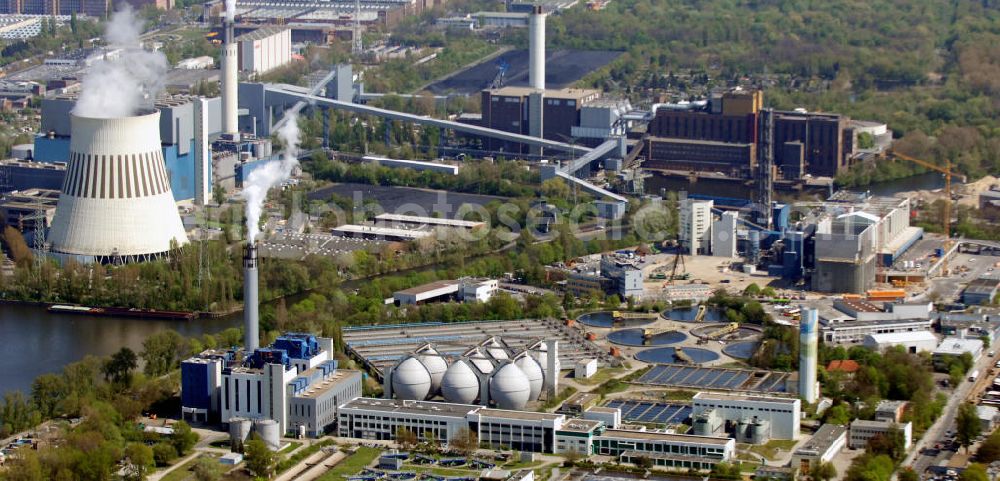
(946, 171)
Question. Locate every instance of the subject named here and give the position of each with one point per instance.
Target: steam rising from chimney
(114, 88)
(261, 179)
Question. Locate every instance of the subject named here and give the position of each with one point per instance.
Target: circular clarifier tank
(606, 319)
(741, 350)
(688, 314)
(635, 337)
(669, 355)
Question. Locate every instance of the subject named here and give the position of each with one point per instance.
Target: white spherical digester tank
(533, 371)
(411, 380)
(460, 383)
(509, 387)
(436, 366)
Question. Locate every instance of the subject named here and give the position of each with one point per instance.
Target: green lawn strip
(351, 465)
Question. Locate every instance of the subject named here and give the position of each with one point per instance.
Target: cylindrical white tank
(239, 429)
(460, 383)
(267, 429)
(536, 49)
(436, 366)
(116, 198)
(509, 387)
(533, 372)
(410, 380)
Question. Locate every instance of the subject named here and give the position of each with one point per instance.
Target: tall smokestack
(536, 48)
(251, 320)
(229, 83)
(808, 340)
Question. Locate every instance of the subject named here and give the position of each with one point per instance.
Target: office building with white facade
(827, 442)
(836, 331)
(863, 431)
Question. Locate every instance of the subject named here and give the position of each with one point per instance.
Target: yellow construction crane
(946, 171)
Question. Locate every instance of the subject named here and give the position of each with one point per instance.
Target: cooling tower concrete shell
(460, 383)
(411, 380)
(116, 198)
(268, 431)
(509, 387)
(436, 366)
(533, 372)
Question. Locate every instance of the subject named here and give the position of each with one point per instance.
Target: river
(36, 341)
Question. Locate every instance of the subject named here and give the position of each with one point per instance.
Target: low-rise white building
(863, 431)
(783, 414)
(585, 368)
(952, 347)
(826, 443)
(913, 341)
(264, 49)
(836, 331)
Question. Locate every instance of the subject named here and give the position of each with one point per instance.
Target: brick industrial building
(721, 135)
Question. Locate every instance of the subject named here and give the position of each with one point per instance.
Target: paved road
(920, 462)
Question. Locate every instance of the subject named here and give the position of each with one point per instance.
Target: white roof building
(913, 341)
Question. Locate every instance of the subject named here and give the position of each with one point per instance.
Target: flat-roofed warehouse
(380, 347)
(379, 233)
(400, 221)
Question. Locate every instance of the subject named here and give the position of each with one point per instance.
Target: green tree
(47, 393)
(989, 451)
(183, 438)
(259, 458)
(908, 474)
(207, 469)
(164, 453)
(974, 472)
(752, 290)
(967, 424)
(118, 369)
(824, 471)
(139, 461)
(24, 467)
(839, 414)
(465, 442)
(161, 351)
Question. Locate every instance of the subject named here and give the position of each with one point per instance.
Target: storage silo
(533, 372)
(239, 430)
(268, 431)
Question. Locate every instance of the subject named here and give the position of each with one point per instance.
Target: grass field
(351, 465)
(772, 448)
(184, 472)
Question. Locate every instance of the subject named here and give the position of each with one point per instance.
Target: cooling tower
(116, 201)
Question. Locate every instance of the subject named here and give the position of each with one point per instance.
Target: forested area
(928, 68)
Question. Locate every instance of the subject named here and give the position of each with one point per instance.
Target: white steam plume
(230, 10)
(261, 179)
(118, 87)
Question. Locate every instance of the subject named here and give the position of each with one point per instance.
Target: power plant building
(265, 49)
(782, 414)
(295, 383)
